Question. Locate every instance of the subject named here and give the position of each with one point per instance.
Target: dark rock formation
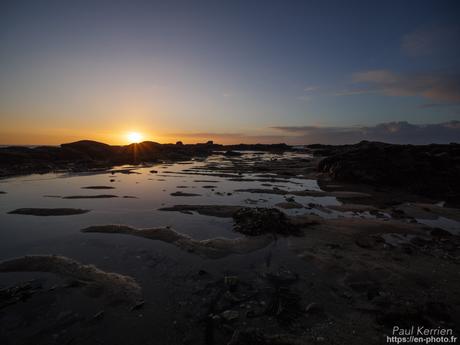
(429, 170)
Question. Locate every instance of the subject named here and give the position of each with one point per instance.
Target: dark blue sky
(227, 69)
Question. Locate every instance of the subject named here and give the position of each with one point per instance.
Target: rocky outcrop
(429, 170)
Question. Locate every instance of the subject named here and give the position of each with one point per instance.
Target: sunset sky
(229, 71)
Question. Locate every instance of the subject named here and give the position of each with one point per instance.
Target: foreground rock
(49, 211)
(116, 286)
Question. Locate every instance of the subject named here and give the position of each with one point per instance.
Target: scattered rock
(19, 292)
(366, 242)
(231, 282)
(440, 233)
(313, 308)
(258, 337)
(289, 205)
(232, 154)
(138, 305)
(230, 315)
(99, 315)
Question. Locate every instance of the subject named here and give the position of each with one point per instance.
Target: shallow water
(151, 191)
(166, 273)
(147, 192)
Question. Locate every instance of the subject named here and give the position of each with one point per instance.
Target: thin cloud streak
(434, 41)
(434, 86)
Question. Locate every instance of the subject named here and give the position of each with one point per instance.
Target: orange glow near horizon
(134, 137)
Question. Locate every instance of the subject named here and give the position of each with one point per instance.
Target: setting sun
(134, 137)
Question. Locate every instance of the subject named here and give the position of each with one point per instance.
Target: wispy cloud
(434, 41)
(311, 88)
(435, 86)
(308, 92)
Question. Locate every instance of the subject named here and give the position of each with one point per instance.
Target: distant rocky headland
(428, 170)
(85, 155)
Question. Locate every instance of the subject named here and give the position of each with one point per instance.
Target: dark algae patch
(99, 196)
(184, 194)
(257, 221)
(224, 211)
(98, 187)
(49, 211)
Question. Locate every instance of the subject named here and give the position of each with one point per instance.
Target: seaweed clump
(255, 221)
